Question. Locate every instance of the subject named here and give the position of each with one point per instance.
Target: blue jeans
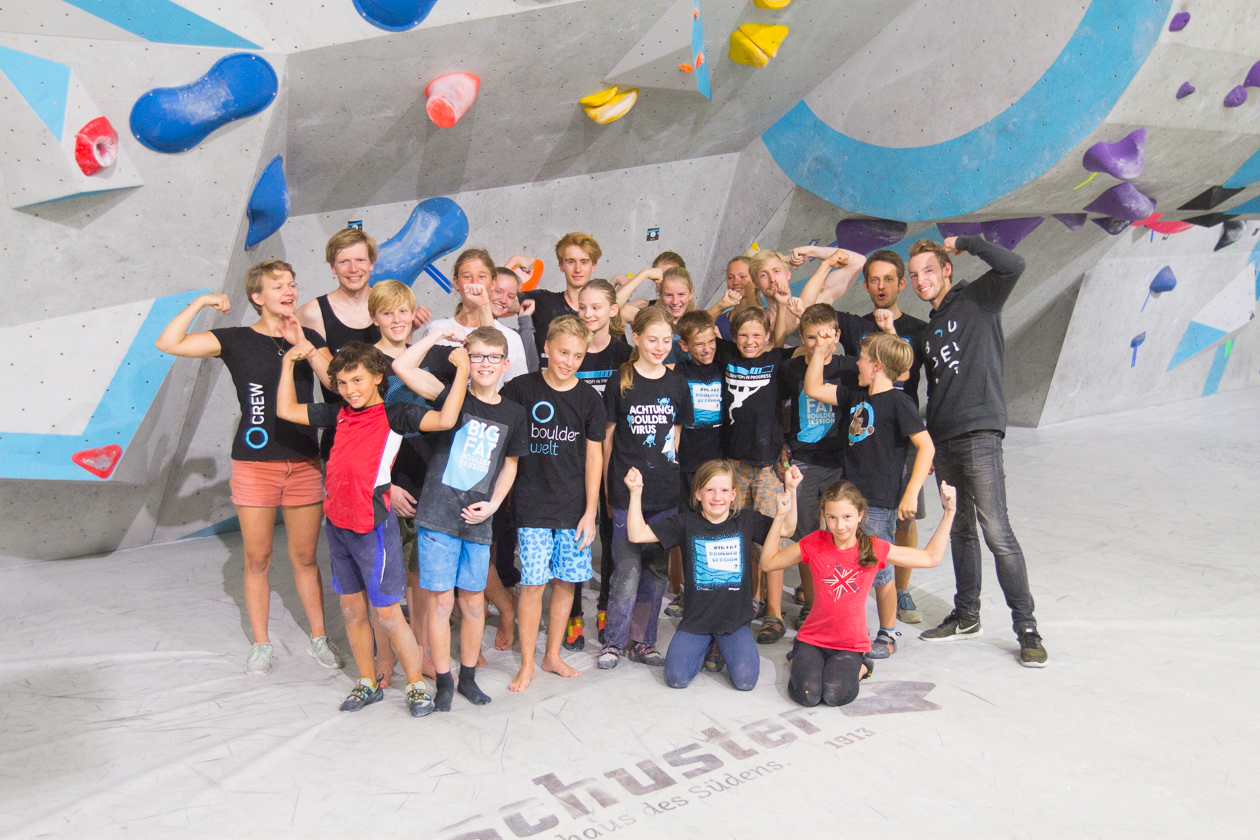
(882, 523)
(639, 580)
(685, 658)
(972, 463)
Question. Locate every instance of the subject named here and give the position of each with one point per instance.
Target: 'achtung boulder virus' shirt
(646, 415)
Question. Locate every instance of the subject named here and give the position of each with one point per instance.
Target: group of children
(456, 465)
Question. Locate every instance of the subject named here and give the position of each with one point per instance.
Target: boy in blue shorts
(471, 471)
(557, 490)
(363, 539)
(883, 423)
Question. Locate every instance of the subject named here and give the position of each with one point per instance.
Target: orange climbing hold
(450, 97)
(535, 275)
(686, 68)
(699, 60)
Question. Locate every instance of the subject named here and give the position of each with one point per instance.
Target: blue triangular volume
(163, 22)
(43, 84)
(697, 50)
(1246, 175)
(1197, 338)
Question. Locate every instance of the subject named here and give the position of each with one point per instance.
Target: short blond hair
(569, 325)
(255, 276)
(891, 352)
(759, 260)
(344, 238)
(389, 295)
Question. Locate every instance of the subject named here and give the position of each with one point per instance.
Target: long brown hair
(846, 491)
(647, 316)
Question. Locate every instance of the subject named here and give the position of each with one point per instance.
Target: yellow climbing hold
(771, 4)
(615, 108)
(597, 99)
(755, 44)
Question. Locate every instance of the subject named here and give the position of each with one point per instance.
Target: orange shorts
(272, 484)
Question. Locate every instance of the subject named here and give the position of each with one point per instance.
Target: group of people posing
(465, 460)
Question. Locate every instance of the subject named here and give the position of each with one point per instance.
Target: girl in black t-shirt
(274, 462)
(647, 404)
(717, 538)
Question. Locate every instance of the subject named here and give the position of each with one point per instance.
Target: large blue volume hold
(436, 227)
(173, 120)
(394, 15)
(268, 204)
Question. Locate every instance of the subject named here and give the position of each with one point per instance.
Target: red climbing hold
(450, 97)
(96, 146)
(100, 461)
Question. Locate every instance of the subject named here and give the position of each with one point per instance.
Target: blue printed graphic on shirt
(597, 379)
(396, 391)
(719, 563)
(472, 455)
(670, 447)
(743, 382)
(861, 422)
(706, 403)
(816, 419)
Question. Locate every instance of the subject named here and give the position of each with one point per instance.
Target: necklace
(279, 345)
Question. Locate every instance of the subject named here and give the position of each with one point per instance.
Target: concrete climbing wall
(922, 114)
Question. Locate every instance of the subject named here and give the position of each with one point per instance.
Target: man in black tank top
(342, 315)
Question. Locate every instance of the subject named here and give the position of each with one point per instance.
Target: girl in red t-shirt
(828, 658)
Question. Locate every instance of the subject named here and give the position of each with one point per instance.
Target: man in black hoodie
(964, 351)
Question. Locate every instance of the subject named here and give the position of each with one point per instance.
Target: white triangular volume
(1233, 306)
(653, 61)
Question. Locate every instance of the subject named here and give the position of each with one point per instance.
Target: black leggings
(605, 561)
(824, 675)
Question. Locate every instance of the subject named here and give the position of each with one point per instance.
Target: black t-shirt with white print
(878, 431)
(854, 328)
(550, 488)
(466, 463)
(646, 415)
(702, 440)
(719, 562)
(813, 434)
(255, 362)
(598, 368)
(548, 306)
(751, 395)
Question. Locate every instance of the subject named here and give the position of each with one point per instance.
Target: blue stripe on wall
(1218, 368)
(964, 174)
(121, 410)
(163, 22)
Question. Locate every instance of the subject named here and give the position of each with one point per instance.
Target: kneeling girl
(717, 539)
(829, 656)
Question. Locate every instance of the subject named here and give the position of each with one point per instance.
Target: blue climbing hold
(436, 227)
(394, 15)
(1135, 344)
(1165, 281)
(268, 204)
(172, 120)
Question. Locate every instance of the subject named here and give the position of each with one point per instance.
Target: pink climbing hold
(450, 97)
(100, 461)
(96, 146)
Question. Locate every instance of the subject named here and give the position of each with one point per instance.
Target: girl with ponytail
(647, 404)
(830, 655)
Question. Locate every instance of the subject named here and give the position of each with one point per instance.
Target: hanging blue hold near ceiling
(394, 15)
(435, 228)
(268, 206)
(173, 120)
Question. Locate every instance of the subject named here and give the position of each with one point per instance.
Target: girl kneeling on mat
(717, 540)
(828, 657)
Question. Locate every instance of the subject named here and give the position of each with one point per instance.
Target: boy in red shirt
(363, 539)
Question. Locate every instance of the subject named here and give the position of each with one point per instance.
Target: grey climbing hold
(1112, 226)
(1230, 233)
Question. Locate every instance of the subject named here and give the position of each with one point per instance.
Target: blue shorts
(882, 523)
(548, 554)
(371, 561)
(447, 562)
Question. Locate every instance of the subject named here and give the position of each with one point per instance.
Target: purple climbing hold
(1122, 159)
(866, 235)
(949, 229)
(1009, 232)
(1236, 97)
(1123, 201)
(1185, 90)
(1112, 226)
(1253, 76)
(1178, 21)
(1072, 221)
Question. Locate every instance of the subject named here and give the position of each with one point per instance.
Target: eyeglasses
(492, 358)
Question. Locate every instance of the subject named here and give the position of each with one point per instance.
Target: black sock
(468, 686)
(445, 692)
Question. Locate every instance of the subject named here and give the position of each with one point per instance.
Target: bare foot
(384, 672)
(556, 665)
(481, 660)
(506, 634)
(523, 678)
